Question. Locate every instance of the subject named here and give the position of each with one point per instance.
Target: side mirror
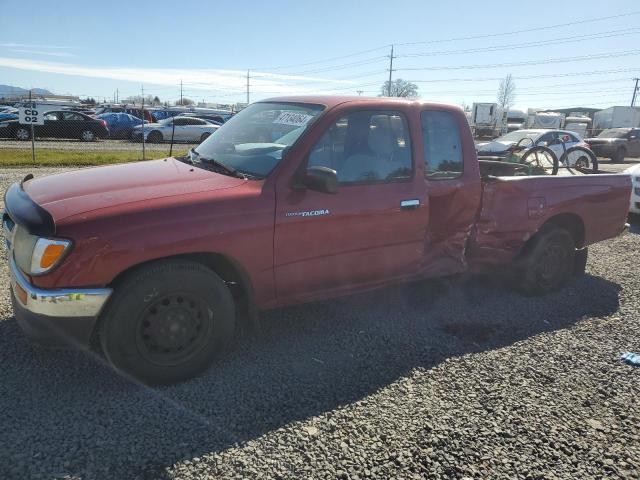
(321, 179)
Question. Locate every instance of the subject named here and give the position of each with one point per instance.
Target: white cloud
(42, 52)
(200, 79)
(27, 45)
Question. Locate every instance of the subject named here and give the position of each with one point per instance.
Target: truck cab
(294, 199)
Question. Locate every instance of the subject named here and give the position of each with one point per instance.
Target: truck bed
(593, 206)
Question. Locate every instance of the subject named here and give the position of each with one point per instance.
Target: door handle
(409, 204)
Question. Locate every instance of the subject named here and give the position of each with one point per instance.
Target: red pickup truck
(294, 199)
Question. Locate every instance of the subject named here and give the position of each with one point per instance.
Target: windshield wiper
(196, 157)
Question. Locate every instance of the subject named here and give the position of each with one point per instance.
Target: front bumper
(55, 317)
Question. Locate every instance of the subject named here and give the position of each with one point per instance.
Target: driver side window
(366, 147)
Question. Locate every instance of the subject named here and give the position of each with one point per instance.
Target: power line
(280, 67)
(527, 77)
(513, 32)
(555, 41)
(454, 39)
(533, 62)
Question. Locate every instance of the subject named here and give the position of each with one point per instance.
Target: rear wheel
(618, 157)
(23, 133)
(87, 136)
(548, 262)
(154, 137)
(580, 159)
(167, 322)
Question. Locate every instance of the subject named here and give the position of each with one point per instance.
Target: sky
(560, 54)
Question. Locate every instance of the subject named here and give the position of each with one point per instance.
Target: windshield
(254, 140)
(517, 136)
(613, 133)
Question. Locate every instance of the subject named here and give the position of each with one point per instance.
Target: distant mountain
(8, 90)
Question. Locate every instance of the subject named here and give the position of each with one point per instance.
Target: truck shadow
(308, 360)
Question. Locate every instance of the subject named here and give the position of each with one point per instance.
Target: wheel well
(571, 223)
(228, 269)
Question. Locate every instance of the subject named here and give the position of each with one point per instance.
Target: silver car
(183, 129)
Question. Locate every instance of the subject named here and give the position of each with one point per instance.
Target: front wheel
(540, 161)
(167, 322)
(618, 156)
(23, 133)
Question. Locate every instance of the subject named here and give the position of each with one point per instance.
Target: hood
(81, 191)
(634, 170)
(495, 146)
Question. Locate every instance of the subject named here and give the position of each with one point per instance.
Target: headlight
(47, 253)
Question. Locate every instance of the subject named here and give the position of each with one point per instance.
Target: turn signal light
(47, 253)
(51, 255)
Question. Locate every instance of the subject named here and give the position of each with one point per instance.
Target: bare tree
(185, 102)
(399, 88)
(506, 92)
(135, 99)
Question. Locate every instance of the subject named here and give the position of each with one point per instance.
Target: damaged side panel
(515, 208)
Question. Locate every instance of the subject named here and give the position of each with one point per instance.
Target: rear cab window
(442, 145)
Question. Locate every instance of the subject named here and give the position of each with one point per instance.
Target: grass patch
(11, 157)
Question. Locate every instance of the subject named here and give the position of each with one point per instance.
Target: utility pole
(117, 95)
(635, 91)
(248, 87)
(33, 137)
(359, 92)
(143, 152)
(180, 91)
(390, 71)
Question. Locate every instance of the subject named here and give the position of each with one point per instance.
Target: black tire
(587, 162)
(87, 135)
(580, 262)
(618, 157)
(167, 322)
(154, 137)
(22, 133)
(532, 155)
(204, 136)
(548, 262)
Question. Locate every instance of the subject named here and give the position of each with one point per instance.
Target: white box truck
(616, 117)
(484, 119)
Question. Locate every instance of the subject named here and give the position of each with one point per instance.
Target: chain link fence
(45, 132)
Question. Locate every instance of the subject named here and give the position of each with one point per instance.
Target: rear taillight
(104, 123)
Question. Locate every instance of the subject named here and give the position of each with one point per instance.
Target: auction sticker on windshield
(293, 118)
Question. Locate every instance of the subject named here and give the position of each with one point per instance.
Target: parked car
(120, 125)
(634, 205)
(212, 117)
(161, 261)
(187, 129)
(61, 124)
(6, 121)
(558, 141)
(616, 143)
(135, 111)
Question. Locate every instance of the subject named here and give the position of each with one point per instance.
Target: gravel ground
(446, 379)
